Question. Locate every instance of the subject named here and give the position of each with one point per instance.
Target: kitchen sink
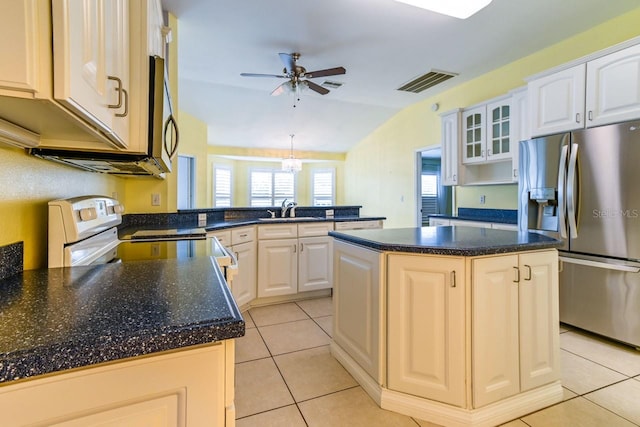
(297, 218)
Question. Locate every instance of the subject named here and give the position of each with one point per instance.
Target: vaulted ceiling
(382, 44)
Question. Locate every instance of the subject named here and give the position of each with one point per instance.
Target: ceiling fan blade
(327, 72)
(282, 88)
(262, 75)
(288, 61)
(316, 87)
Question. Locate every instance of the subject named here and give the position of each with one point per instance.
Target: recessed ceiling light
(457, 8)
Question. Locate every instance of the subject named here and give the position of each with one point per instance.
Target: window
(186, 182)
(323, 187)
(269, 187)
(221, 186)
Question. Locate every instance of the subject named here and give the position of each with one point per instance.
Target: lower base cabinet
(243, 285)
(427, 360)
(515, 325)
(315, 263)
(185, 388)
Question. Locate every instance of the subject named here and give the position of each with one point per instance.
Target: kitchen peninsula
(147, 342)
(454, 325)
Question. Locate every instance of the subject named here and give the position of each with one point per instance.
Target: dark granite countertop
(505, 216)
(62, 318)
(448, 240)
(127, 232)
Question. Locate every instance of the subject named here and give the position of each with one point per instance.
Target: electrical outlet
(155, 199)
(202, 219)
(328, 213)
(155, 249)
(483, 198)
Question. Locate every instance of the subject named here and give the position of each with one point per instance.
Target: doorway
(432, 196)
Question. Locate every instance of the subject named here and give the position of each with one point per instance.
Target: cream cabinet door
(474, 142)
(357, 305)
(557, 102)
(495, 346)
(520, 127)
(450, 136)
(91, 62)
(539, 319)
(25, 48)
(426, 327)
(613, 87)
(243, 285)
(182, 388)
(315, 263)
(499, 120)
(277, 267)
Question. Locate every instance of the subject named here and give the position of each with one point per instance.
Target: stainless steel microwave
(163, 138)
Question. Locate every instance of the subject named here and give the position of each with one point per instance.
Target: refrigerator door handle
(562, 178)
(571, 193)
(600, 264)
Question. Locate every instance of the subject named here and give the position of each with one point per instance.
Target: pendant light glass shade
(291, 164)
(457, 8)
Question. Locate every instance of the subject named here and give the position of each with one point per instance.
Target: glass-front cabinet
(486, 134)
(473, 135)
(499, 130)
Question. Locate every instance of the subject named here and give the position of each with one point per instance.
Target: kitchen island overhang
(454, 325)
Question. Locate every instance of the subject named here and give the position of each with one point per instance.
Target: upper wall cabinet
(450, 131)
(486, 132)
(597, 92)
(91, 63)
(74, 71)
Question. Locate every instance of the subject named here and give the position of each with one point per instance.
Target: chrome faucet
(286, 206)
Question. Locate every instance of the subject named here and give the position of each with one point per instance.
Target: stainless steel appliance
(162, 143)
(581, 187)
(83, 231)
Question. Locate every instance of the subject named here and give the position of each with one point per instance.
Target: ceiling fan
(297, 75)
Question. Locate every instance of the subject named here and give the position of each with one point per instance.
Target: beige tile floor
(286, 376)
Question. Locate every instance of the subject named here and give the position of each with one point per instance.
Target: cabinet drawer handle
(301, 247)
(453, 279)
(295, 248)
(528, 272)
(243, 235)
(119, 90)
(577, 117)
(517, 271)
(590, 115)
(126, 104)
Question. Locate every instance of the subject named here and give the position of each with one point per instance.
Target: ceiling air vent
(331, 84)
(426, 81)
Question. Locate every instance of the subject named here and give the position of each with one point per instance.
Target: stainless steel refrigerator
(584, 187)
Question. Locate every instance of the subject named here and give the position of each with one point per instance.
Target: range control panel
(71, 220)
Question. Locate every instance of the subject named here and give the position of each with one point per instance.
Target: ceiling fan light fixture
(461, 9)
(291, 164)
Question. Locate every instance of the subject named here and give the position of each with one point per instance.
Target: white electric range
(84, 231)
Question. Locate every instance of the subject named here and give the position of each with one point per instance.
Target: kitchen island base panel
(448, 415)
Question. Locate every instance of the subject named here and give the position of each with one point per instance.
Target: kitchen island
(148, 341)
(454, 325)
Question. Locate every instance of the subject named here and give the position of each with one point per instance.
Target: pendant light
(461, 9)
(291, 164)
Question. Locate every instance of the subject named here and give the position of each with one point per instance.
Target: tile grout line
(597, 363)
